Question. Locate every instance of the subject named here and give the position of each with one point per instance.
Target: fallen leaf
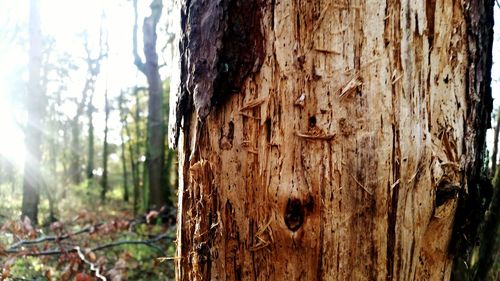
(151, 216)
(83, 277)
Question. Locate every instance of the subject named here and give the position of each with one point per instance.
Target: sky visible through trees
(65, 22)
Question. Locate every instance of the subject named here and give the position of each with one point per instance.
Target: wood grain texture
(344, 155)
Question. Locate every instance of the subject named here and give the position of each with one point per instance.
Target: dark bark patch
(230, 132)
(268, 130)
(445, 191)
(203, 251)
(242, 50)
(222, 44)
(430, 10)
(312, 121)
(309, 204)
(294, 214)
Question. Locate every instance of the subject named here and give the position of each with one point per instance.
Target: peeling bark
(346, 154)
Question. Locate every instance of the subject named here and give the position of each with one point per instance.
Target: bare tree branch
(52, 238)
(92, 266)
(149, 243)
(137, 59)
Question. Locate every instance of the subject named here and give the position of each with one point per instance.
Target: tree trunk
(352, 147)
(134, 150)
(123, 120)
(156, 141)
(489, 246)
(35, 107)
(75, 162)
(90, 148)
(93, 70)
(104, 179)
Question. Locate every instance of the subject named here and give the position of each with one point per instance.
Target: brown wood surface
(343, 156)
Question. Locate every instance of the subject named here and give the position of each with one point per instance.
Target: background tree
(136, 141)
(352, 149)
(90, 137)
(35, 106)
(123, 120)
(105, 153)
(93, 63)
(156, 139)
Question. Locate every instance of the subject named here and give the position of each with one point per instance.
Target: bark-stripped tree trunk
(35, 106)
(156, 141)
(346, 149)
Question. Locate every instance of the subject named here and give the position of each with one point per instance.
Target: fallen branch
(52, 238)
(149, 243)
(92, 266)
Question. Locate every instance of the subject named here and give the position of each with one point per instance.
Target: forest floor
(88, 240)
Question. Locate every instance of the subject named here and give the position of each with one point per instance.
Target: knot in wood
(203, 251)
(294, 214)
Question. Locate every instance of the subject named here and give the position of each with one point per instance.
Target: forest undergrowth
(85, 240)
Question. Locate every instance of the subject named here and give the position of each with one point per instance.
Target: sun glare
(11, 138)
(67, 28)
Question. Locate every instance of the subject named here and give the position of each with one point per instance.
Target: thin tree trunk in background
(489, 247)
(123, 119)
(90, 148)
(495, 146)
(53, 182)
(135, 169)
(35, 107)
(93, 70)
(75, 163)
(141, 185)
(124, 169)
(156, 143)
(66, 158)
(51, 134)
(75, 169)
(134, 150)
(104, 180)
(167, 172)
(344, 141)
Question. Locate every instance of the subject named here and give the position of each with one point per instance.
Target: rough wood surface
(343, 156)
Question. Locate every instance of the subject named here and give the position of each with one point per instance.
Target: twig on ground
(92, 266)
(52, 237)
(149, 243)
